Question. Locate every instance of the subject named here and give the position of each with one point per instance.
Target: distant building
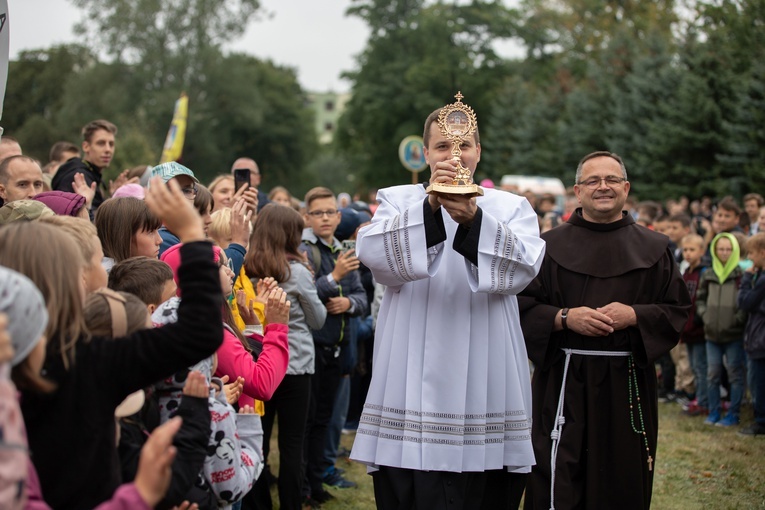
(328, 106)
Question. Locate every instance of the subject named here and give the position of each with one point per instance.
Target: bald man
(20, 178)
(249, 164)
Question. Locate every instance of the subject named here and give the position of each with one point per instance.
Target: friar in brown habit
(608, 301)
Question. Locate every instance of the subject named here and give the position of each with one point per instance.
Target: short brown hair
(203, 202)
(144, 277)
(80, 229)
(433, 117)
(317, 193)
(754, 196)
(756, 242)
(118, 220)
(682, 218)
(137, 171)
(729, 204)
(741, 238)
(651, 210)
(91, 127)
(59, 148)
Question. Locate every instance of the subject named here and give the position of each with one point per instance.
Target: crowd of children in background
(156, 336)
(720, 250)
(720, 256)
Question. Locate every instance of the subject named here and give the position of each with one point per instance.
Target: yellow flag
(177, 133)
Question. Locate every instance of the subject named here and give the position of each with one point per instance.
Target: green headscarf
(724, 271)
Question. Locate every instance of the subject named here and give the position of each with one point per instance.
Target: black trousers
(323, 392)
(406, 489)
(290, 403)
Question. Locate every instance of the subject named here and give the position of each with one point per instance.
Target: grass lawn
(698, 467)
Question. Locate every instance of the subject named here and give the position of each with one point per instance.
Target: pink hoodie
(261, 377)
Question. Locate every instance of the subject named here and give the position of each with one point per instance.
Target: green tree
(734, 26)
(416, 59)
(239, 105)
(522, 133)
(578, 31)
(669, 123)
(36, 93)
(169, 41)
(254, 109)
(745, 140)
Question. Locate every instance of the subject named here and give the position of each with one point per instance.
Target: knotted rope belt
(560, 420)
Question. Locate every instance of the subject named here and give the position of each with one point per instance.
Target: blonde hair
(80, 229)
(51, 271)
(218, 180)
(693, 238)
(220, 227)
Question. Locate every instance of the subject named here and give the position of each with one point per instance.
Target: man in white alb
(447, 420)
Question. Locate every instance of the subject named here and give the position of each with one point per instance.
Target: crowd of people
(199, 314)
(718, 249)
(154, 329)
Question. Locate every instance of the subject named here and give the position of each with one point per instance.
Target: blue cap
(350, 220)
(172, 169)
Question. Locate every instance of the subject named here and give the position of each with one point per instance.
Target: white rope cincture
(560, 420)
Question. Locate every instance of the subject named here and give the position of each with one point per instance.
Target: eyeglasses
(594, 182)
(319, 214)
(190, 192)
(228, 264)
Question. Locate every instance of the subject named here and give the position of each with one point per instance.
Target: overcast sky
(314, 37)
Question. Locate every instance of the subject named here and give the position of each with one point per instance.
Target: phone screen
(241, 177)
(349, 245)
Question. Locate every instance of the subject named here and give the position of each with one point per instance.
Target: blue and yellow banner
(177, 133)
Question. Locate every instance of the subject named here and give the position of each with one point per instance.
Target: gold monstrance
(457, 122)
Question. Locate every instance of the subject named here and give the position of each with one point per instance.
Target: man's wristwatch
(563, 317)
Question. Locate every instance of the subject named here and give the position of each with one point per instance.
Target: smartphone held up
(241, 178)
(349, 245)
